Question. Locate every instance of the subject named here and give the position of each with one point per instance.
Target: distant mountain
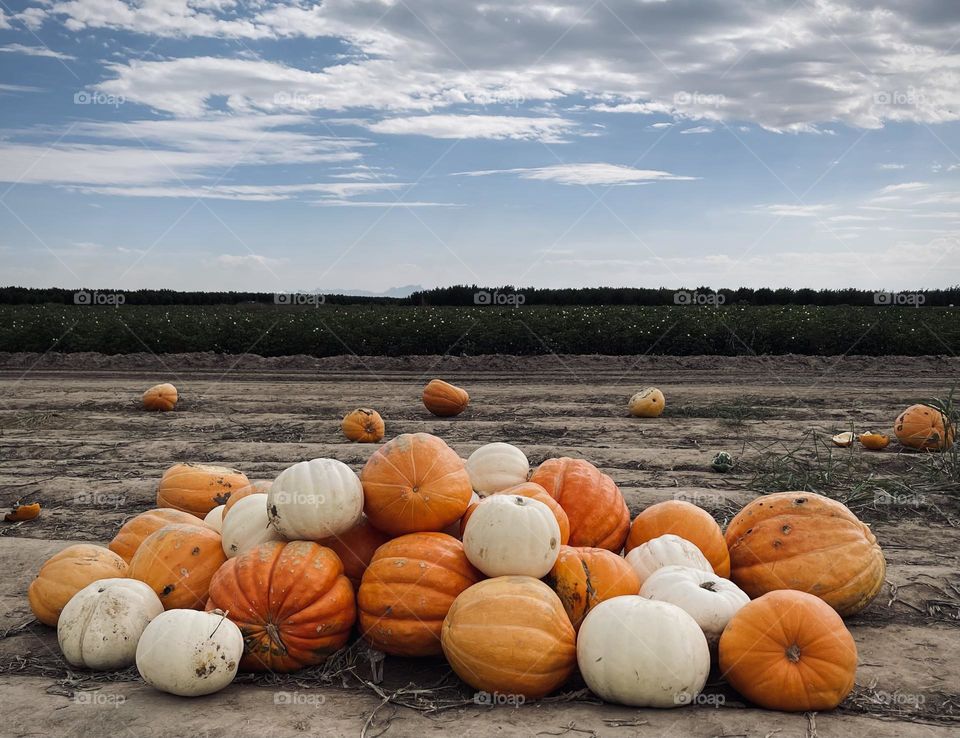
(404, 291)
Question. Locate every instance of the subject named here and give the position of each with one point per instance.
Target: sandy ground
(73, 436)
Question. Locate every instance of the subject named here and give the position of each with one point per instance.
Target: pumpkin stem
(709, 586)
(793, 653)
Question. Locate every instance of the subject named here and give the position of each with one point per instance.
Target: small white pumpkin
(512, 535)
(315, 499)
(642, 653)
(247, 525)
(707, 598)
(666, 550)
(190, 652)
(496, 467)
(214, 518)
(101, 624)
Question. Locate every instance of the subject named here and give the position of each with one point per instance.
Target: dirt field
(73, 436)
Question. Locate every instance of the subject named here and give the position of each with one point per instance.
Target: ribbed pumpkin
(66, 573)
(356, 548)
(291, 601)
(363, 425)
(254, 488)
(132, 533)
(444, 399)
(178, 562)
(198, 488)
(597, 511)
(803, 541)
(160, 397)
(585, 577)
(789, 651)
(922, 427)
(510, 635)
(534, 492)
(415, 483)
(408, 589)
(688, 521)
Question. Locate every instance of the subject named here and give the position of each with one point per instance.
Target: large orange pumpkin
(803, 541)
(510, 635)
(922, 427)
(198, 488)
(66, 573)
(535, 492)
(132, 533)
(789, 651)
(684, 519)
(178, 562)
(291, 601)
(414, 483)
(407, 590)
(597, 511)
(585, 577)
(444, 399)
(355, 548)
(363, 425)
(254, 488)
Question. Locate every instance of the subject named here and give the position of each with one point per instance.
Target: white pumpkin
(190, 652)
(101, 624)
(214, 518)
(666, 550)
(496, 467)
(707, 598)
(512, 535)
(247, 525)
(642, 653)
(315, 499)
(454, 528)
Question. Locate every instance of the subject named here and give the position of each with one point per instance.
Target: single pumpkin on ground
(874, 441)
(66, 573)
(291, 601)
(178, 562)
(444, 399)
(924, 428)
(598, 514)
(19, 512)
(408, 589)
(160, 397)
(789, 650)
(356, 548)
(363, 425)
(807, 542)
(843, 440)
(648, 403)
(510, 635)
(684, 519)
(584, 577)
(198, 488)
(534, 492)
(135, 530)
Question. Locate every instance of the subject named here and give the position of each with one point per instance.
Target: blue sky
(212, 144)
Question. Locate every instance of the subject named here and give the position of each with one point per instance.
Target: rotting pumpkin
(363, 425)
(584, 577)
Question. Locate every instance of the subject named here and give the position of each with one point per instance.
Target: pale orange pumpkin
(922, 427)
(686, 520)
(160, 397)
(415, 483)
(356, 548)
(444, 399)
(198, 488)
(66, 573)
(363, 425)
(585, 577)
(874, 441)
(132, 533)
(178, 562)
(535, 492)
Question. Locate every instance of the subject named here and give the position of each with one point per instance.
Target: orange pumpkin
(510, 635)
(922, 427)
(803, 541)
(874, 441)
(160, 397)
(355, 548)
(407, 590)
(198, 488)
(18, 513)
(363, 425)
(684, 519)
(789, 651)
(178, 562)
(414, 483)
(132, 533)
(597, 511)
(535, 492)
(444, 399)
(254, 488)
(585, 577)
(291, 601)
(66, 573)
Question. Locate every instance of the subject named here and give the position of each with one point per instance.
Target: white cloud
(795, 211)
(548, 130)
(4, 20)
(249, 193)
(35, 51)
(891, 166)
(697, 129)
(905, 187)
(248, 260)
(850, 218)
(595, 173)
(399, 204)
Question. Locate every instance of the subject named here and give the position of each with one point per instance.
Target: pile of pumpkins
(519, 577)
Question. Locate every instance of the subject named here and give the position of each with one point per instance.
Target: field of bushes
(394, 330)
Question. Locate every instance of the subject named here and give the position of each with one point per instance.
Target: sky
(370, 144)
